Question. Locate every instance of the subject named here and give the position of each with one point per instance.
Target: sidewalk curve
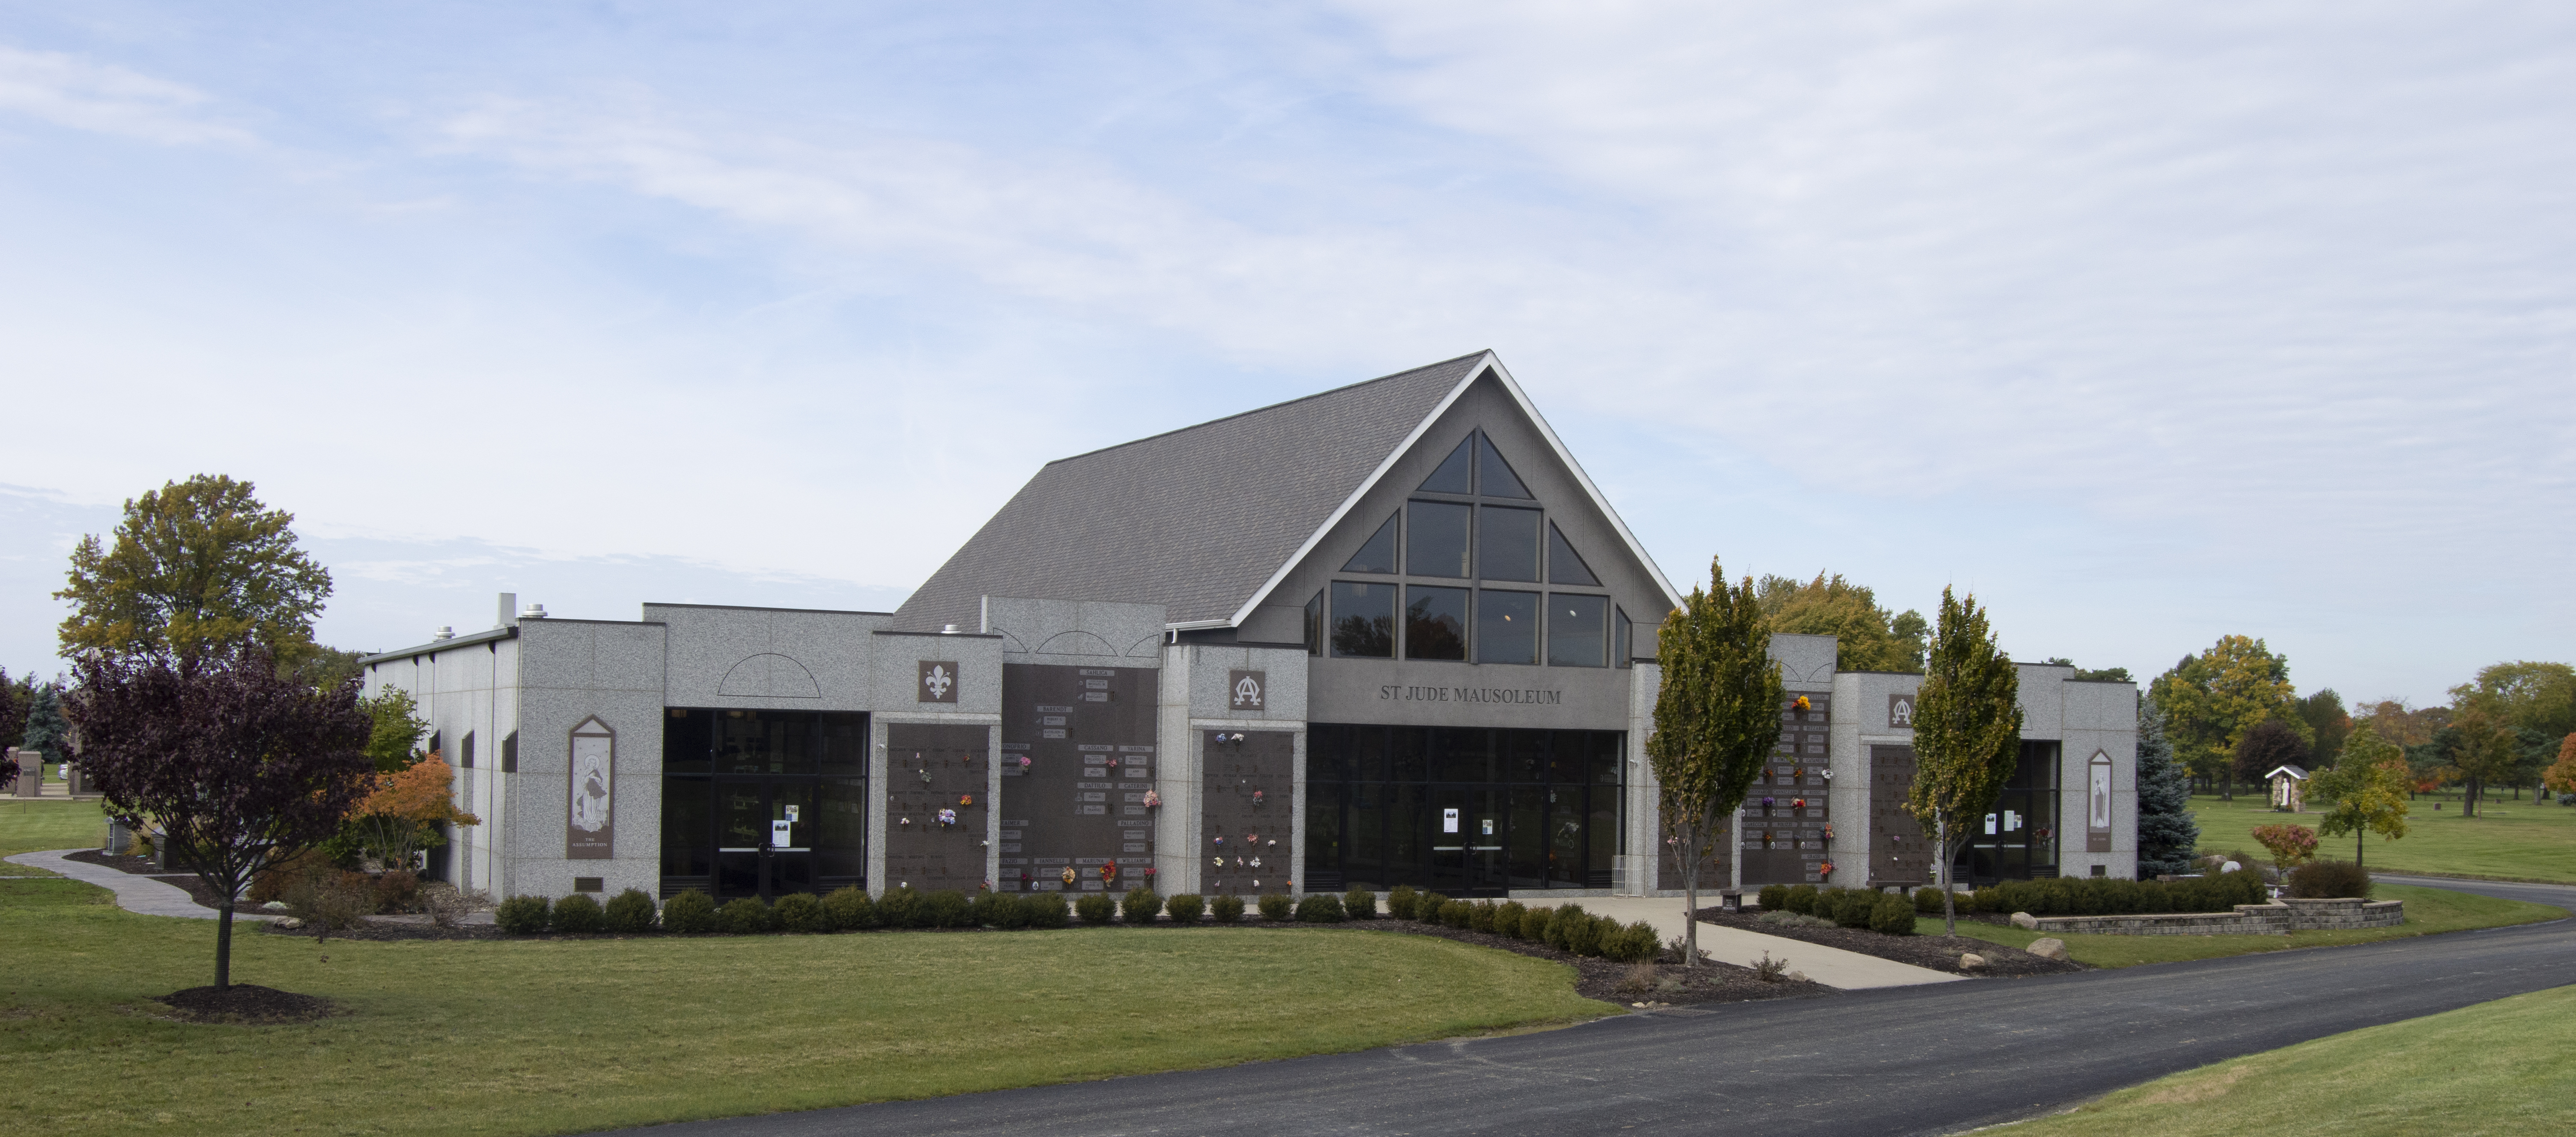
(1831, 966)
(140, 894)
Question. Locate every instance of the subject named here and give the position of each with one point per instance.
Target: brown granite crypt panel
(1077, 777)
(1900, 852)
(932, 768)
(1246, 817)
(1788, 832)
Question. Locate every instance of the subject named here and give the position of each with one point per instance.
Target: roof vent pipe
(533, 612)
(444, 632)
(947, 629)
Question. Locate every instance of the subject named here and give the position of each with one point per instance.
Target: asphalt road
(1932, 1059)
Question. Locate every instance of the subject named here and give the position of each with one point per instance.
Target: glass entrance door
(764, 838)
(1468, 831)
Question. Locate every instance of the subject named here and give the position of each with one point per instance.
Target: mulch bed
(1710, 982)
(247, 1003)
(1939, 953)
(390, 932)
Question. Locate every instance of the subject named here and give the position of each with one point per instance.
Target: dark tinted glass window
(1435, 623)
(1575, 626)
(1363, 620)
(1315, 624)
(1378, 555)
(1435, 544)
(1507, 627)
(1456, 472)
(465, 752)
(688, 741)
(1508, 540)
(510, 753)
(1564, 566)
(1621, 631)
(1462, 755)
(841, 743)
(1494, 477)
(688, 826)
(766, 742)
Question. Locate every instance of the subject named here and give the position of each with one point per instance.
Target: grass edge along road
(2495, 1068)
(2428, 911)
(558, 1036)
(2511, 840)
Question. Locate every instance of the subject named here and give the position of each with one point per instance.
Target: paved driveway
(1900, 1060)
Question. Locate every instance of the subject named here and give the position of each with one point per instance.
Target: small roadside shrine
(2289, 788)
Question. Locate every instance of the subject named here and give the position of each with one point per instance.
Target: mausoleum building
(1387, 634)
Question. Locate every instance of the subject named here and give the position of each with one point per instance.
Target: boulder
(290, 923)
(2024, 920)
(2047, 947)
(1971, 961)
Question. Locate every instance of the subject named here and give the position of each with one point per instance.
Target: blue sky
(2147, 325)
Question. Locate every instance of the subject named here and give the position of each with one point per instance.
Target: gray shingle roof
(1195, 519)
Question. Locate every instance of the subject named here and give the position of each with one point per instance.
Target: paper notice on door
(791, 813)
(1448, 821)
(779, 832)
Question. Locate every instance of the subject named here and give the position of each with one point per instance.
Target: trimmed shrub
(1140, 906)
(1360, 904)
(2092, 896)
(629, 912)
(1095, 907)
(1580, 930)
(1800, 899)
(1276, 907)
(994, 910)
(1426, 906)
(1535, 923)
(1773, 897)
(1399, 902)
(522, 915)
(395, 890)
(945, 908)
(1507, 918)
(848, 909)
(1983, 900)
(577, 914)
(900, 908)
(1852, 906)
(1186, 907)
(800, 912)
(1044, 910)
(1454, 913)
(744, 917)
(1636, 943)
(1892, 914)
(1927, 900)
(1226, 909)
(2329, 880)
(690, 913)
(1321, 908)
(1480, 916)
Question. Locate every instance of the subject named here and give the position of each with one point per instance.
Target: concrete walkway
(140, 894)
(1831, 966)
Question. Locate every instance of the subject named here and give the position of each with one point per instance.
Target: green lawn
(2511, 840)
(539, 1036)
(2428, 910)
(30, 824)
(2504, 1067)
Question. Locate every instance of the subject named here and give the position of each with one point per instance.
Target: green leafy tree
(1867, 637)
(15, 695)
(2092, 674)
(1967, 734)
(2211, 699)
(2168, 833)
(2271, 745)
(193, 567)
(2328, 725)
(2484, 750)
(2538, 700)
(2366, 791)
(1717, 716)
(393, 741)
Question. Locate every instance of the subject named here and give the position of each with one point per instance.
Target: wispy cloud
(82, 94)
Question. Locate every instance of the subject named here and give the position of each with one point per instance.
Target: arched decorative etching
(1076, 642)
(1151, 647)
(770, 675)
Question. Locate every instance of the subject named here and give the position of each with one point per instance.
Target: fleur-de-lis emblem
(938, 681)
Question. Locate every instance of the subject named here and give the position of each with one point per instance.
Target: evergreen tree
(2167, 833)
(46, 730)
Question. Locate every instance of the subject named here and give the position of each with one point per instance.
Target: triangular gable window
(1564, 566)
(1378, 555)
(1495, 475)
(1457, 471)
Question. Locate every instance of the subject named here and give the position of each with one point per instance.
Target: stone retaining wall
(2278, 918)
